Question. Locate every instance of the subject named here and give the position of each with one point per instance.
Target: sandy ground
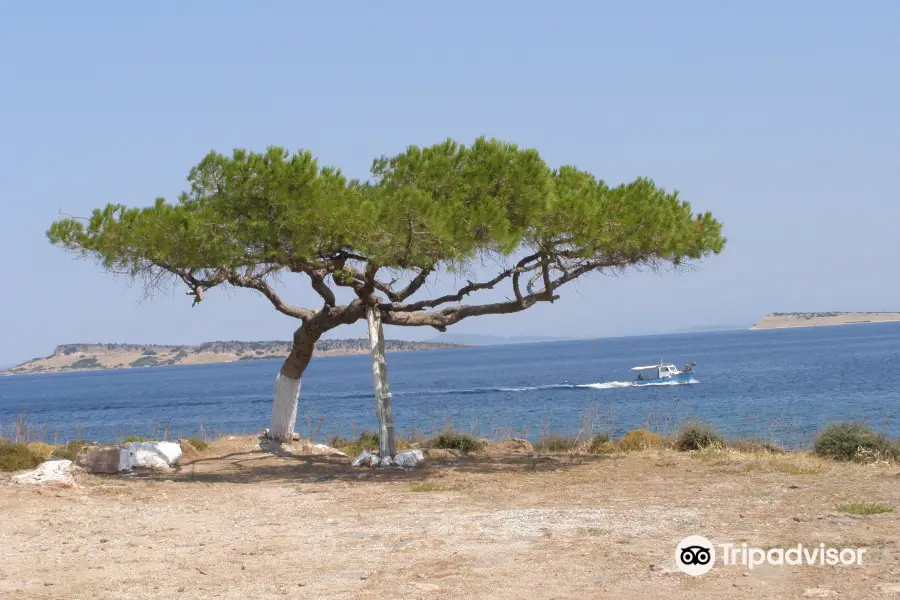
(241, 523)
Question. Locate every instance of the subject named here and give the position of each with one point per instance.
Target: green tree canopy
(251, 216)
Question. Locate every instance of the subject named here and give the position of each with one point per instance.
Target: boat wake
(623, 384)
(607, 385)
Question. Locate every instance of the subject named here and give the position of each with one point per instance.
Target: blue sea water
(782, 385)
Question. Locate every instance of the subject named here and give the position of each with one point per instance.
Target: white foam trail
(674, 382)
(607, 386)
(623, 384)
(556, 386)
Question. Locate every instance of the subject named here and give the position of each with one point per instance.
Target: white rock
(149, 455)
(51, 471)
(409, 458)
(327, 450)
(818, 593)
(366, 459)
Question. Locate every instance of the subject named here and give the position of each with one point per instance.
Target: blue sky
(780, 117)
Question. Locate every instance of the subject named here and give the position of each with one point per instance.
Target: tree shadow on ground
(257, 466)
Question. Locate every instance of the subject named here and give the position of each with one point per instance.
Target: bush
(367, 439)
(16, 457)
(755, 446)
(70, 450)
(600, 444)
(639, 439)
(454, 440)
(198, 444)
(136, 438)
(87, 363)
(556, 443)
(854, 441)
(42, 450)
(697, 436)
(144, 361)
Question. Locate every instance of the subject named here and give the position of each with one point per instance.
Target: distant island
(80, 357)
(814, 319)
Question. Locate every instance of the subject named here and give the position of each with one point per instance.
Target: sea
(778, 385)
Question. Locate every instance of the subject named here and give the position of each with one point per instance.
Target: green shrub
(198, 444)
(69, 451)
(639, 439)
(601, 444)
(697, 436)
(145, 361)
(41, 450)
(455, 440)
(864, 508)
(136, 438)
(367, 439)
(755, 446)
(556, 443)
(854, 441)
(86, 363)
(17, 457)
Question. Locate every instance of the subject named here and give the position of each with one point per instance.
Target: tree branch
(417, 282)
(441, 319)
(465, 290)
(317, 280)
(266, 290)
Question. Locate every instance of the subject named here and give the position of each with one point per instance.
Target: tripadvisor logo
(696, 555)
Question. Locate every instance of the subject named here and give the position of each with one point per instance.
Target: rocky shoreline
(820, 319)
(95, 357)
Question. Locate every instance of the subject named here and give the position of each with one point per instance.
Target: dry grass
(793, 463)
(41, 450)
(639, 439)
(430, 486)
(236, 522)
(864, 508)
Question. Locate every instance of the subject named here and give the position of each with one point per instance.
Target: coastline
(322, 354)
(806, 326)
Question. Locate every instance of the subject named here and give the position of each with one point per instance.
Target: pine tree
(250, 217)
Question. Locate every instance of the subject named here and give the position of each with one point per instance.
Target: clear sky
(780, 117)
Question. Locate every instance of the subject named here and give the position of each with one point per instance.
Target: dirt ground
(241, 523)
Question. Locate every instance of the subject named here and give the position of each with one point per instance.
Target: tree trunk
(382, 389)
(287, 383)
(284, 408)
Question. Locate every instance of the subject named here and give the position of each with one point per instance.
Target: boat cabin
(662, 371)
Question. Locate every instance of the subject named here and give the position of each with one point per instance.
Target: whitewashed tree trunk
(382, 389)
(284, 408)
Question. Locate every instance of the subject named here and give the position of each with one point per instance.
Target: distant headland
(814, 319)
(80, 357)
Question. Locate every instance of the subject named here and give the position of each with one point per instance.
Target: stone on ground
(327, 450)
(60, 472)
(149, 455)
(409, 458)
(99, 459)
(443, 454)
